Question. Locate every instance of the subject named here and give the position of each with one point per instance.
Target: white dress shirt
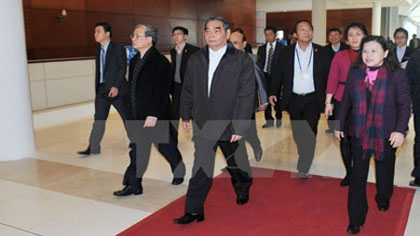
(336, 49)
(401, 52)
(214, 59)
(303, 78)
(266, 53)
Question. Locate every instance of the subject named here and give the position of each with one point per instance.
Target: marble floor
(58, 192)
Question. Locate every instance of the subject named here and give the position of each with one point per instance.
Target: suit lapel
(107, 56)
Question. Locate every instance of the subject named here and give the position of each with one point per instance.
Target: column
(16, 131)
(319, 21)
(376, 18)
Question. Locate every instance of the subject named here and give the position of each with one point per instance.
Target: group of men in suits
(216, 91)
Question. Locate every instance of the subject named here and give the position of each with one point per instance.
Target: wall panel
(48, 38)
(112, 6)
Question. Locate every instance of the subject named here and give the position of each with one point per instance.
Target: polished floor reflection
(60, 193)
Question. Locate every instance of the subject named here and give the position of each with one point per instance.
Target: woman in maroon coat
(377, 97)
(337, 77)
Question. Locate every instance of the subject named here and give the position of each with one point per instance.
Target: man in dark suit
(302, 76)
(217, 95)
(414, 42)
(401, 51)
(335, 45)
(413, 75)
(110, 84)
(179, 58)
(267, 55)
(238, 39)
(149, 87)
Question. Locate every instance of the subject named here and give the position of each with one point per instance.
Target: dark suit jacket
(407, 54)
(186, 53)
(115, 68)
(231, 95)
(330, 53)
(149, 82)
(413, 75)
(282, 78)
(397, 103)
(262, 54)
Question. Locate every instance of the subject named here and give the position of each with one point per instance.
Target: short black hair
(358, 25)
(334, 30)
(401, 30)
(272, 28)
(301, 21)
(217, 18)
(180, 28)
(241, 31)
(106, 27)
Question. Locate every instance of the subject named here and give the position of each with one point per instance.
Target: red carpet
(280, 205)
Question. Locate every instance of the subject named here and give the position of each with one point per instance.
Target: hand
(396, 139)
(338, 134)
(273, 100)
(262, 107)
(329, 110)
(187, 126)
(235, 138)
(113, 92)
(150, 122)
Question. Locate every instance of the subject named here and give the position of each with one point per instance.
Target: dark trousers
(304, 114)
(102, 106)
(277, 109)
(357, 199)
(203, 169)
(416, 171)
(175, 106)
(140, 154)
(252, 135)
(345, 143)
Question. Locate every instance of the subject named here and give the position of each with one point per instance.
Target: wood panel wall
(47, 38)
(335, 18)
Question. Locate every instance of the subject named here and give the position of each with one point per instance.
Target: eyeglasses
(177, 34)
(136, 36)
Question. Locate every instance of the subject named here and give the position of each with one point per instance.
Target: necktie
(270, 58)
(102, 65)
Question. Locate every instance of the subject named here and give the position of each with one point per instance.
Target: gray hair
(217, 18)
(150, 31)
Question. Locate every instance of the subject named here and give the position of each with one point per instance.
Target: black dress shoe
(353, 229)
(383, 207)
(278, 123)
(242, 199)
(345, 181)
(128, 190)
(177, 181)
(88, 152)
(268, 124)
(415, 183)
(188, 218)
(258, 154)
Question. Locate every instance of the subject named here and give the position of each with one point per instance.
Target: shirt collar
(180, 48)
(402, 48)
(221, 51)
(309, 48)
(336, 49)
(105, 47)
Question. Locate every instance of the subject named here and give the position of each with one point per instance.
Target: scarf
(369, 102)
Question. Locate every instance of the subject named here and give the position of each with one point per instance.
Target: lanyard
(310, 59)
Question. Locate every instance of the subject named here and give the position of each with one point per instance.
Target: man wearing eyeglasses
(110, 85)
(149, 87)
(179, 58)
